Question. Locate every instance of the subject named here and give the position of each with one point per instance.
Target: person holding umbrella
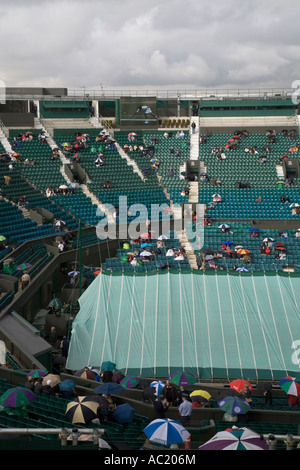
(160, 406)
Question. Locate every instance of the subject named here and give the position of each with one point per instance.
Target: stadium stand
(233, 313)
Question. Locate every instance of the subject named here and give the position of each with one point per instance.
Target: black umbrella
(148, 393)
(264, 386)
(227, 393)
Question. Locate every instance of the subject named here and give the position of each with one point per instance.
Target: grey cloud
(196, 43)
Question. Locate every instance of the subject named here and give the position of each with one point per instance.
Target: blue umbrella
(254, 229)
(228, 242)
(66, 385)
(108, 388)
(166, 431)
(108, 365)
(124, 413)
(158, 385)
(242, 269)
(145, 244)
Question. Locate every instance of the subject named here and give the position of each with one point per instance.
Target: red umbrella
(239, 384)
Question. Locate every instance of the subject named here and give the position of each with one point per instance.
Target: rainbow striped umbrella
(290, 385)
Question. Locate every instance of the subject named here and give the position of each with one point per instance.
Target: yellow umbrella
(200, 395)
(81, 410)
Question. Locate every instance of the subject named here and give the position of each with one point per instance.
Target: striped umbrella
(158, 385)
(234, 405)
(200, 395)
(182, 378)
(290, 385)
(85, 374)
(235, 439)
(17, 397)
(129, 381)
(81, 410)
(37, 373)
(166, 431)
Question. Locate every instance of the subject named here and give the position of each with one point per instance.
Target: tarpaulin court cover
(216, 325)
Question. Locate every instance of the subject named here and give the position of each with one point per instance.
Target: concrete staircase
(95, 200)
(194, 139)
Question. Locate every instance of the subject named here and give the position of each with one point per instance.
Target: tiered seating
(80, 205)
(124, 181)
(174, 185)
(157, 261)
(45, 172)
(15, 227)
(240, 236)
(242, 167)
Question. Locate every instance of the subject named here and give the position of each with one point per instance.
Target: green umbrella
(234, 405)
(55, 303)
(2, 238)
(182, 378)
(129, 381)
(17, 397)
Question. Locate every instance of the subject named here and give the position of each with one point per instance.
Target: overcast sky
(150, 43)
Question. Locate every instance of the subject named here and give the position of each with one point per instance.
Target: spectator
(185, 410)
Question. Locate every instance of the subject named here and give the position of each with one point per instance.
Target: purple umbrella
(235, 439)
(17, 397)
(182, 378)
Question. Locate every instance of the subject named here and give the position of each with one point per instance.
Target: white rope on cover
(119, 316)
(234, 322)
(95, 319)
(130, 331)
(262, 328)
(222, 329)
(249, 329)
(106, 312)
(208, 329)
(194, 322)
(274, 322)
(143, 327)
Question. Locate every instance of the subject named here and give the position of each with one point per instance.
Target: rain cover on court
(212, 324)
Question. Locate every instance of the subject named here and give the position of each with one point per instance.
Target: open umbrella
(290, 385)
(109, 388)
(81, 410)
(85, 374)
(235, 439)
(182, 378)
(242, 269)
(2, 238)
(200, 395)
(239, 384)
(166, 431)
(223, 226)
(158, 385)
(129, 381)
(37, 373)
(108, 365)
(243, 251)
(54, 378)
(23, 266)
(55, 303)
(234, 405)
(66, 385)
(124, 413)
(17, 397)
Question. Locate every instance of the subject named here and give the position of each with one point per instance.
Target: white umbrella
(145, 253)
(103, 444)
(162, 237)
(158, 385)
(166, 431)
